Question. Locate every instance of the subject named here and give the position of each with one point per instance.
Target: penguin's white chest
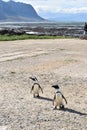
(58, 99)
(36, 89)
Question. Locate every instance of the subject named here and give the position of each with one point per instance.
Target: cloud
(71, 6)
(61, 10)
(72, 10)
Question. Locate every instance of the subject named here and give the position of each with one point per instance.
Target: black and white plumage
(58, 100)
(36, 88)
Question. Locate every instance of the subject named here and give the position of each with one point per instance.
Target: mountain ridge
(17, 11)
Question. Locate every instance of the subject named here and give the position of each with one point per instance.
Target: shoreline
(50, 29)
(43, 32)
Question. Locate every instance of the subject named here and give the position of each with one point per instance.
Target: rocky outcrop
(43, 31)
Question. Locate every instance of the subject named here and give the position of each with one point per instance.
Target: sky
(44, 7)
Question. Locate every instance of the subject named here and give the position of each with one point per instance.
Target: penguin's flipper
(64, 98)
(32, 89)
(54, 99)
(40, 88)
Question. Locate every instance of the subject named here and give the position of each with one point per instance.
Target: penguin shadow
(62, 109)
(73, 111)
(44, 98)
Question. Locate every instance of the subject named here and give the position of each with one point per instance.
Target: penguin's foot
(55, 108)
(38, 96)
(62, 107)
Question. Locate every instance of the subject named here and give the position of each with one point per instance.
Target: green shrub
(25, 36)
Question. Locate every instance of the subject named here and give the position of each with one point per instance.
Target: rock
(43, 31)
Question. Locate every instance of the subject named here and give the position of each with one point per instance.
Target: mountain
(67, 17)
(18, 12)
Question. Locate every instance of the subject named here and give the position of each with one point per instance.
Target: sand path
(61, 61)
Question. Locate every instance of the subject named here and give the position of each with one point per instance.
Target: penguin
(58, 98)
(36, 87)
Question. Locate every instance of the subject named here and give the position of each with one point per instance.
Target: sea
(77, 26)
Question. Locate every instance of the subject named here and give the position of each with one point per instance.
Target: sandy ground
(62, 62)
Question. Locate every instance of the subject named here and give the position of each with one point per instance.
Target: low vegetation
(25, 36)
